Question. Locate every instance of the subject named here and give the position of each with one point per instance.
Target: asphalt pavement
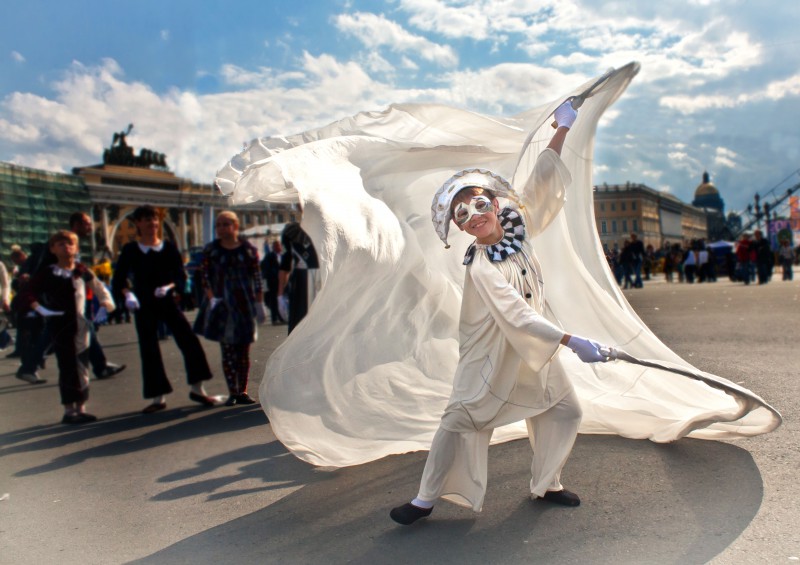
(212, 485)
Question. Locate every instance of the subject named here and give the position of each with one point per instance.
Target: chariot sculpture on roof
(120, 153)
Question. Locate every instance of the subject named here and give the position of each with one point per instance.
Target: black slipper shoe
(407, 514)
(150, 408)
(563, 497)
(78, 418)
(244, 398)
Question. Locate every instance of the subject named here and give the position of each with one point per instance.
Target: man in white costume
(507, 369)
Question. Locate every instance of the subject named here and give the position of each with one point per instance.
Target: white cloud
(165, 35)
(508, 85)
(376, 31)
(377, 64)
(571, 60)
(17, 56)
(407, 63)
(725, 158)
(775, 90)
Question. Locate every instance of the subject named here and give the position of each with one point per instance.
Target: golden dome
(706, 188)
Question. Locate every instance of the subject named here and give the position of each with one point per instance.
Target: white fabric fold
(369, 371)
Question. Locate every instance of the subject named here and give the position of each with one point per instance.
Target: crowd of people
(60, 302)
(236, 288)
(750, 259)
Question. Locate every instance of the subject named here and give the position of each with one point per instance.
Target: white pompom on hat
(441, 212)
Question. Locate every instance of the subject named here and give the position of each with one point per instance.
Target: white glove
(46, 312)
(162, 291)
(587, 350)
(213, 301)
(261, 313)
(283, 307)
(101, 316)
(565, 115)
(131, 302)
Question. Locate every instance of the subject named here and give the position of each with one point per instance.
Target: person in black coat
(149, 273)
(270, 265)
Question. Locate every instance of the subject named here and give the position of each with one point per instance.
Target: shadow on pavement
(695, 498)
(266, 462)
(162, 428)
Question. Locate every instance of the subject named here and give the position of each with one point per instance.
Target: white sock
(422, 503)
(159, 399)
(198, 389)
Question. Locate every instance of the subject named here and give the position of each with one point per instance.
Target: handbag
(210, 322)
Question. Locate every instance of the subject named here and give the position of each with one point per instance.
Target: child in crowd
(58, 294)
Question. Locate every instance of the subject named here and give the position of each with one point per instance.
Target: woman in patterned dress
(234, 302)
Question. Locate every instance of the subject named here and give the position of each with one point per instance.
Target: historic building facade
(187, 208)
(34, 203)
(655, 217)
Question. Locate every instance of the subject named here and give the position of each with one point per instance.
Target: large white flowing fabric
(369, 370)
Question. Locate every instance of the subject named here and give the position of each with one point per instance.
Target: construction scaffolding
(35, 203)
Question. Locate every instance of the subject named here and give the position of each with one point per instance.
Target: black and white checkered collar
(513, 236)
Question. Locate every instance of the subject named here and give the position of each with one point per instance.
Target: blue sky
(719, 88)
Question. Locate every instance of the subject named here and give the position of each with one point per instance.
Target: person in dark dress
(149, 273)
(297, 281)
(233, 302)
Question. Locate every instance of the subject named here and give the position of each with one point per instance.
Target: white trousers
(457, 462)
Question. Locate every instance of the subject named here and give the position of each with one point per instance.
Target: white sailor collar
(146, 248)
(511, 242)
(59, 272)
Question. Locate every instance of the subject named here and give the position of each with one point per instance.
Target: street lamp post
(757, 198)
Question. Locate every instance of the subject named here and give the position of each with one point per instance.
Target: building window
(602, 206)
(633, 205)
(625, 226)
(613, 206)
(603, 228)
(635, 226)
(622, 206)
(613, 225)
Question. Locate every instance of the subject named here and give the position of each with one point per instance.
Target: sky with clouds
(718, 90)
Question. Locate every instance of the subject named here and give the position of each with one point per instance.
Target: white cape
(369, 370)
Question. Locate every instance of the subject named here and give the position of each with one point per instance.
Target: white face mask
(464, 211)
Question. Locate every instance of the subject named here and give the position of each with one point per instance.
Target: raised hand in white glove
(565, 115)
(46, 312)
(283, 307)
(131, 302)
(162, 291)
(587, 350)
(261, 313)
(213, 302)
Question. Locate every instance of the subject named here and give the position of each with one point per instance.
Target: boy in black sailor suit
(58, 293)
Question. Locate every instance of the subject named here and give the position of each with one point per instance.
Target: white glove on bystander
(213, 302)
(587, 350)
(283, 307)
(162, 291)
(261, 313)
(46, 312)
(131, 302)
(101, 316)
(565, 115)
